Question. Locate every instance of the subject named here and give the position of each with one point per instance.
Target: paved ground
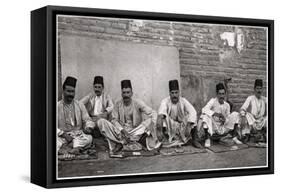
(161, 163)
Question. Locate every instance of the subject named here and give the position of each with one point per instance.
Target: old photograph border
(52, 12)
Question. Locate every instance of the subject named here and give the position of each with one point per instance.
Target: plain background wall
(149, 67)
(15, 98)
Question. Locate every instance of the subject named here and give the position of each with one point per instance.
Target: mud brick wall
(208, 53)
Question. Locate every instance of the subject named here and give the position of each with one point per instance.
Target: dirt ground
(162, 163)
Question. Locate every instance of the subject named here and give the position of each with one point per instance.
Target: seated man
(177, 118)
(72, 120)
(253, 115)
(128, 123)
(98, 104)
(216, 120)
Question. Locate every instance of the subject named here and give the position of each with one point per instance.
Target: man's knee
(88, 140)
(101, 122)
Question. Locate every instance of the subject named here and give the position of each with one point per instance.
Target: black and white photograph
(140, 96)
(143, 97)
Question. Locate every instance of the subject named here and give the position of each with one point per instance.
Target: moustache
(70, 97)
(126, 97)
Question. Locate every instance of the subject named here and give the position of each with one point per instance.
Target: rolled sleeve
(163, 108)
(110, 105)
(192, 114)
(207, 109)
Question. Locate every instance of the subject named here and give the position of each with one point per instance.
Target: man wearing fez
(98, 104)
(133, 119)
(217, 122)
(177, 119)
(253, 114)
(73, 119)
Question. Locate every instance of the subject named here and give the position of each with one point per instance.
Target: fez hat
(70, 81)
(258, 82)
(126, 84)
(98, 80)
(173, 85)
(220, 86)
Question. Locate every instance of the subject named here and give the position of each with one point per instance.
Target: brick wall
(208, 53)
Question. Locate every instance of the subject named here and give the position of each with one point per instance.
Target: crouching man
(132, 121)
(99, 106)
(217, 122)
(98, 103)
(253, 115)
(73, 119)
(177, 119)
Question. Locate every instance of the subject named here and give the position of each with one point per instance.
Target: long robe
(73, 126)
(178, 122)
(214, 124)
(143, 120)
(99, 104)
(254, 110)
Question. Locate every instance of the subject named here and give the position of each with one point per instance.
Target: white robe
(214, 125)
(179, 120)
(254, 110)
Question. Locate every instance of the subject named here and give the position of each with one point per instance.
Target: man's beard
(175, 99)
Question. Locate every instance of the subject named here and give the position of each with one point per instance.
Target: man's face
(68, 93)
(221, 95)
(258, 91)
(127, 94)
(98, 88)
(174, 95)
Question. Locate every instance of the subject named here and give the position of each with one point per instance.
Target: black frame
(43, 96)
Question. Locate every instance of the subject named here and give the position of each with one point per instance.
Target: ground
(162, 163)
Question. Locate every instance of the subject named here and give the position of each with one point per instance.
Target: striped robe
(178, 130)
(75, 129)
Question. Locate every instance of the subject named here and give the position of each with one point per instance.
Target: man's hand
(159, 123)
(217, 115)
(242, 113)
(220, 116)
(103, 115)
(222, 119)
(99, 116)
(67, 137)
(180, 120)
(125, 135)
(87, 130)
(95, 118)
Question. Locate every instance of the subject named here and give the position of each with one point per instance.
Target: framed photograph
(125, 96)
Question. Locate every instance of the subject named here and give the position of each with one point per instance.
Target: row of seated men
(175, 124)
